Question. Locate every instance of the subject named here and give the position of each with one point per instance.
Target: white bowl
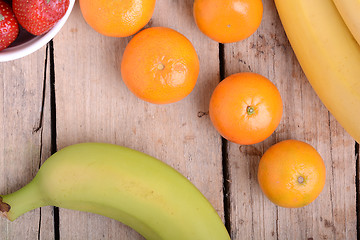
(27, 43)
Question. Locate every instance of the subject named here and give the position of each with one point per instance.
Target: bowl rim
(37, 42)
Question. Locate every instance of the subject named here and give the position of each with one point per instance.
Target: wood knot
(201, 114)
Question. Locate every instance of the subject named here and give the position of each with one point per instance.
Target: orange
(245, 108)
(117, 18)
(227, 21)
(160, 65)
(291, 174)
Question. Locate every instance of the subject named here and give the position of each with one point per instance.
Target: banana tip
(4, 208)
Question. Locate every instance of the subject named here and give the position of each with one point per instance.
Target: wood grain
(333, 214)
(24, 139)
(93, 104)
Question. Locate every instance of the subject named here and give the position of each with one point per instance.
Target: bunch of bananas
(123, 184)
(325, 36)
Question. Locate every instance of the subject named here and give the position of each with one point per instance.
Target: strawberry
(9, 27)
(39, 16)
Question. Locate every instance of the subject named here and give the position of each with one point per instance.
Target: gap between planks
(224, 149)
(53, 128)
(40, 125)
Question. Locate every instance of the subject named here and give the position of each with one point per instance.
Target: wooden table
(71, 91)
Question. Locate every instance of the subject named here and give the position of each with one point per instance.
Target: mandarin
(227, 21)
(245, 108)
(291, 174)
(117, 18)
(160, 65)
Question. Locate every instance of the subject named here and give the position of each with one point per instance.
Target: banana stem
(24, 200)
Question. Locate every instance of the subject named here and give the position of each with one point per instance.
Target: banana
(328, 55)
(350, 12)
(123, 184)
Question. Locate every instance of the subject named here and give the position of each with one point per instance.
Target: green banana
(123, 184)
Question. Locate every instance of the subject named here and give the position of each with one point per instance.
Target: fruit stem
(301, 179)
(161, 66)
(250, 110)
(24, 200)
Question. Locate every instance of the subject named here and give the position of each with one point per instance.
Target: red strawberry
(9, 27)
(39, 16)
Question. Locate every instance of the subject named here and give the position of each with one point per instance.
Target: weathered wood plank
(93, 104)
(333, 214)
(24, 139)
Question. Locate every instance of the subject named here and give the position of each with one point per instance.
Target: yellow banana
(123, 184)
(350, 12)
(328, 55)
